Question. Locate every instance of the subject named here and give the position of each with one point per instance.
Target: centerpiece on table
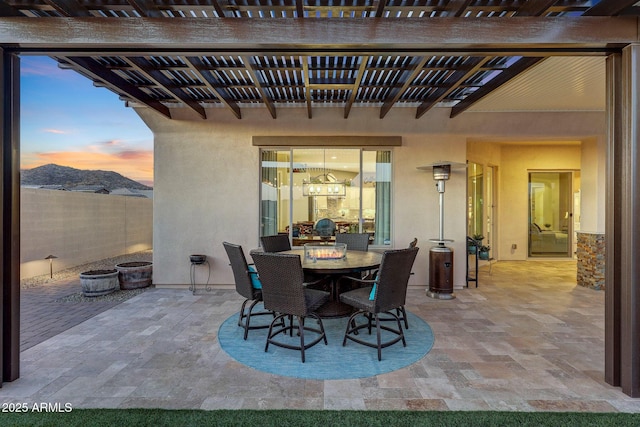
(316, 252)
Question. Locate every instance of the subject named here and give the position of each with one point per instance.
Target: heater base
(440, 295)
(440, 272)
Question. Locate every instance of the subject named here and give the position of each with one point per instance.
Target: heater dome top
(453, 165)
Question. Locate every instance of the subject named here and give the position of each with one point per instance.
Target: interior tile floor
(527, 339)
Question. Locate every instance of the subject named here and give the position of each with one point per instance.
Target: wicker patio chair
(285, 292)
(325, 228)
(245, 287)
(386, 294)
(354, 241)
(276, 243)
(400, 311)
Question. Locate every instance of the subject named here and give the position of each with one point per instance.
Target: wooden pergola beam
(609, 7)
(356, 85)
(7, 10)
(196, 64)
(298, 35)
(508, 74)
(307, 86)
(144, 67)
(146, 8)
(259, 82)
(68, 7)
(535, 7)
(458, 78)
(92, 69)
(408, 76)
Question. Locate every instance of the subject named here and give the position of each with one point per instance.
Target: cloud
(37, 67)
(111, 145)
(112, 142)
(43, 66)
(56, 131)
(133, 154)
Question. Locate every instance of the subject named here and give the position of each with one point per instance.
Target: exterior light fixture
(51, 258)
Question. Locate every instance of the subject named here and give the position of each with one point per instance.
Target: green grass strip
(292, 418)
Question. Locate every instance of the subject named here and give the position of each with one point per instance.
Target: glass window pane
(302, 186)
(376, 195)
(274, 192)
(550, 204)
(475, 203)
(323, 188)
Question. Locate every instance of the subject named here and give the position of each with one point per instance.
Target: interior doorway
(551, 203)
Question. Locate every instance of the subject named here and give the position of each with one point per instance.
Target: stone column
(590, 253)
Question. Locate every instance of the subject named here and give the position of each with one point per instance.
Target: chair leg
(319, 320)
(378, 337)
(273, 322)
(404, 342)
(351, 326)
(301, 332)
(246, 314)
(404, 316)
(370, 318)
(247, 320)
(242, 315)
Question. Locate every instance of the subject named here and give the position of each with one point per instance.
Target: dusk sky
(67, 121)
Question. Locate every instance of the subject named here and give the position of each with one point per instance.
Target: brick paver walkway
(42, 317)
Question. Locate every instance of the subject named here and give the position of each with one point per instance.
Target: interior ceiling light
(325, 184)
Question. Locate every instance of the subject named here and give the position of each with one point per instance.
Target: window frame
(290, 152)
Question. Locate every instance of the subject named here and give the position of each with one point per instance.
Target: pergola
(202, 54)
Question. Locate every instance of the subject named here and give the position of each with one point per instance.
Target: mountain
(69, 177)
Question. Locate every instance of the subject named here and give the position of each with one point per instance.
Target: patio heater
(441, 256)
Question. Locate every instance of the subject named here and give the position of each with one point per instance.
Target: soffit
(320, 76)
(557, 84)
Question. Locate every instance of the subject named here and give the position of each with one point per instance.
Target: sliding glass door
(550, 214)
(481, 204)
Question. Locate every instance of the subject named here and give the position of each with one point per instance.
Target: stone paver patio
(528, 339)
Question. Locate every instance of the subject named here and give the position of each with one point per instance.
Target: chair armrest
(320, 281)
(362, 282)
(371, 276)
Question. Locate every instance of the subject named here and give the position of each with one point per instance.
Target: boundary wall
(80, 227)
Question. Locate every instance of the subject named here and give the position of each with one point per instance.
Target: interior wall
(207, 176)
(592, 185)
(517, 161)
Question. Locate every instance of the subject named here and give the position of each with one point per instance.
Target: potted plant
(133, 275)
(98, 282)
(474, 242)
(483, 252)
(472, 246)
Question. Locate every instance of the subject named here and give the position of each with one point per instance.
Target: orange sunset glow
(136, 165)
(67, 121)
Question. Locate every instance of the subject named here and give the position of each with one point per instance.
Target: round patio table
(354, 262)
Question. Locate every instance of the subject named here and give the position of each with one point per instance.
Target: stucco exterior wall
(206, 187)
(79, 228)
